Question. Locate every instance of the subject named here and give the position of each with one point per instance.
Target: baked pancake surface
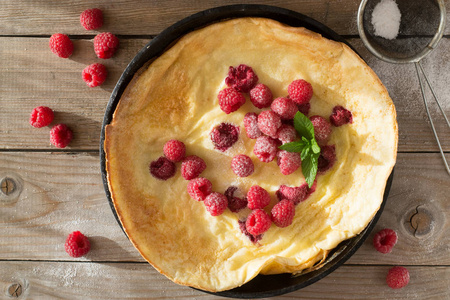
(175, 97)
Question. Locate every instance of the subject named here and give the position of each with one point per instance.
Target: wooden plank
(61, 193)
(63, 280)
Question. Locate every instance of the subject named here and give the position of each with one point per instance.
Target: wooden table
(58, 191)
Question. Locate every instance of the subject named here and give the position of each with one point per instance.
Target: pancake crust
(175, 97)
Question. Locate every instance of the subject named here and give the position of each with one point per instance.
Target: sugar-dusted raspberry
(235, 204)
(261, 96)
(253, 238)
(192, 166)
(94, 74)
(304, 108)
(77, 244)
(269, 122)
(397, 277)
(61, 135)
(242, 165)
(265, 148)
(385, 240)
(91, 18)
(224, 136)
(295, 194)
(326, 159)
(216, 203)
(300, 91)
(322, 129)
(286, 133)
(162, 168)
(242, 78)
(41, 116)
(105, 45)
(288, 162)
(230, 100)
(61, 45)
(341, 116)
(198, 188)
(257, 197)
(251, 125)
(283, 213)
(258, 222)
(284, 107)
(174, 150)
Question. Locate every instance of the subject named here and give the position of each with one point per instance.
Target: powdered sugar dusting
(386, 19)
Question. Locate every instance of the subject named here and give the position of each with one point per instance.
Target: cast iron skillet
(261, 285)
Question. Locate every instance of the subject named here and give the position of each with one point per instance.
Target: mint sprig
(307, 147)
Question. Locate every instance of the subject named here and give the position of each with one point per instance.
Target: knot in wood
(15, 290)
(7, 186)
(421, 222)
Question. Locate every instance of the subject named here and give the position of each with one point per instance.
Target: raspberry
(91, 19)
(257, 197)
(242, 78)
(304, 108)
(60, 135)
(258, 222)
(261, 96)
(322, 129)
(174, 150)
(284, 107)
(230, 100)
(61, 45)
(253, 238)
(341, 116)
(251, 125)
(242, 165)
(224, 136)
(326, 159)
(162, 168)
(310, 190)
(283, 213)
(385, 240)
(286, 133)
(41, 116)
(198, 188)
(294, 194)
(77, 244)
(235, 204)
(265, 148)
(216, 203)
(397, 277)
(105, 45)
(192, 166)
(95, 74)
(300, 91)
(269, 122)
(289, 162)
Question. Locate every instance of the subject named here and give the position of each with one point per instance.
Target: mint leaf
(315, 147)
(294, 146)
(303, 126)
(309, 168)
(304, 153)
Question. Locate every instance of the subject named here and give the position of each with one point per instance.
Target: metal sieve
(412, 44)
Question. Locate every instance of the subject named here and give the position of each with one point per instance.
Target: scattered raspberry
(242, 78)
(295, 194)
(341, 116)
(283, 213)
(198, 188)
(230, 100)
(105, 45)
(242, 165)
(192, 166)
(91, 19)
(300, 91)
(216, 203)
(77, 244)
(61, 45)
(269, 122)
(253, 238)
(289, 162)
(397, 277)
(60, 135)
(322, 129)
(258, 222)
(41, 116)
(162, 168)
(265, 148)
(284, 107)
(304, 108)
(174, 150)
(326, 159)
(286, 133)
(251, 125)
(235, 204)
(95, 74)
(257, 197)
(224, 136)
(261, 96)
(385, 240)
